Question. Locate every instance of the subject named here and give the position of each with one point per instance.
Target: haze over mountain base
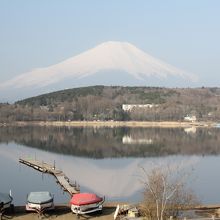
(108, 78)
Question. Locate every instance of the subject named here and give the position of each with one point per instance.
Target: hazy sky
(38, 33)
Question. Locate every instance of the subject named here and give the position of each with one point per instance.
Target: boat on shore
(39, 202)
(85, 203)
(5, 201)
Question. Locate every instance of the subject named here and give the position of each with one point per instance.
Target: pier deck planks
(62, 179)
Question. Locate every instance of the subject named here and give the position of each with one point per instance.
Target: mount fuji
(110, 63)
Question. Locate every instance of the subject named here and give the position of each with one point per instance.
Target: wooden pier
(61, 178)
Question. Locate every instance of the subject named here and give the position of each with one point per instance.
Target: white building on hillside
(130, 107)
(191, 118)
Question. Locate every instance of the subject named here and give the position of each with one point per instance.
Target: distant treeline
(105, 103)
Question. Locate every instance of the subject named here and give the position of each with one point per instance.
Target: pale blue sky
(39, 33)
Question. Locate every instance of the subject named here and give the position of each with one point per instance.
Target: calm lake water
(107, 161)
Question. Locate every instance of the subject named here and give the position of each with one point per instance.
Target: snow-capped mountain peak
(108, 57)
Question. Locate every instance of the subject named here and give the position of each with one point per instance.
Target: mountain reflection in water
(116, 142)
(107, 160)
(115, 178)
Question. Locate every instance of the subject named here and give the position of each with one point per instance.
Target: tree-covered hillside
(105, 103)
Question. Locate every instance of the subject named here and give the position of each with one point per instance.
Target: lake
(108, 161)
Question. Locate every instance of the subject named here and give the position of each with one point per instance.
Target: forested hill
(105, 103)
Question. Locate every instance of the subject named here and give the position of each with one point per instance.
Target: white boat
(85, 203)
(39, 202)
(5, 201)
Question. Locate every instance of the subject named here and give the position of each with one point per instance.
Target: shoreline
(162, 124)
(61, 212)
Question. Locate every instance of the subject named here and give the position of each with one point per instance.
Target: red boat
(84, 203)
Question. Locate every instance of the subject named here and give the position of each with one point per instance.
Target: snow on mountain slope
(108, 56)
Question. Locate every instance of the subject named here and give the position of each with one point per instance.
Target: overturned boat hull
(39, 202)
(85, 203)
(39, 207)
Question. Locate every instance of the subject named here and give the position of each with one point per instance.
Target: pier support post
(54, 164)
